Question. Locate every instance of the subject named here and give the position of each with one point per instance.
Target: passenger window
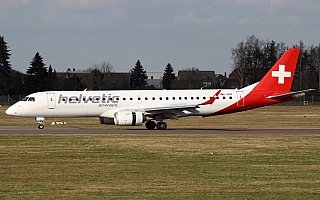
(146, 98)
(124, 99)
(204, 98)
(131, 98)
(167, 98)
(160, 98)
(173, 98)
(185, 98)
(139, 98)
(180, 98)
(198, 98)
(224, 97)
(153, 98)
(191, 98)
(230, 97)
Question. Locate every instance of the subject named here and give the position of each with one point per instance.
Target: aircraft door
(51, 99)
(240, 98)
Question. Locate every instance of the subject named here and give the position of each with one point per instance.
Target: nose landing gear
(40, 120)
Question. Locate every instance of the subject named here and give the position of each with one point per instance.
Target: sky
(185, 33)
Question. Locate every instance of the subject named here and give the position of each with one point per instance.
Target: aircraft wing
(167, 111)
(291, 94)
(170, 112)
(174, 110)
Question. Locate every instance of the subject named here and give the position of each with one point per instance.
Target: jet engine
(128, 118)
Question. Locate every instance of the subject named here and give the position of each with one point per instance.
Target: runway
(75, 131)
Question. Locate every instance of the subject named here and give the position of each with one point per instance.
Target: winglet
(212, 99)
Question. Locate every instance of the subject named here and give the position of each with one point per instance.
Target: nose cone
(12, 110)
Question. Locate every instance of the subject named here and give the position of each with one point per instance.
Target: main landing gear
(40, 120)
(152, 125)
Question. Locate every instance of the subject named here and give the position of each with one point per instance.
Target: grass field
(165, 166)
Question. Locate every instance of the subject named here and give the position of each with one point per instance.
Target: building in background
(155, 79)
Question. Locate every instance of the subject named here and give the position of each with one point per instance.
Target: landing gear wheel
(150, 125)
(40, 120)
(161, 125)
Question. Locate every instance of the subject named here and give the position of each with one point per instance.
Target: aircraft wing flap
(291, 94)
(168, 108)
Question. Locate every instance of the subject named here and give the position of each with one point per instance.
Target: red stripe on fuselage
(254, 99)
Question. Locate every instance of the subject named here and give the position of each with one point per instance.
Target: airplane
(152, 107)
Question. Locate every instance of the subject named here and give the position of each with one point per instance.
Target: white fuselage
(106, 103)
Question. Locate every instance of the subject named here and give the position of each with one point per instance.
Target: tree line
(251, 59)
(39, 77)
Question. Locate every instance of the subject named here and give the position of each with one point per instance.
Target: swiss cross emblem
(281, 74)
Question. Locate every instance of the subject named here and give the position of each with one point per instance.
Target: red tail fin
(280, 76)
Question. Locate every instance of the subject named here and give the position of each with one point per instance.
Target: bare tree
(100, 74)
(315, 61)
(281, 48)
(317, 64)
(253, 58)
(104, 67)
(238, 65)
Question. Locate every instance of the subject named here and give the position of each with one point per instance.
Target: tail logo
(281, 74)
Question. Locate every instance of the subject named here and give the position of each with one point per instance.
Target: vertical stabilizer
(280, 76)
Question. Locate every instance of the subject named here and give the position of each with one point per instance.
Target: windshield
(32, 99)
(29, 99)
(25, 99)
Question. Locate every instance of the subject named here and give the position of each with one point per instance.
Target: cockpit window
(25, 99)
(32, 99)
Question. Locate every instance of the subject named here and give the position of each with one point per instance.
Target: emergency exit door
(51, 99)
(240, 99)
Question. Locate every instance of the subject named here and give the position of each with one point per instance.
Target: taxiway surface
(67, 130)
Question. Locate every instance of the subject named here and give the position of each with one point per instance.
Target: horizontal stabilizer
(291, 94)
